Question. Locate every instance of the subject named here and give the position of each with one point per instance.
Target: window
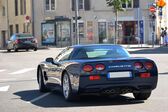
(17, 28)
(136, 3)
(3, 11)
(13, 37)
(82, 4)
(16, 7)
(65, 54)
(22, 36)
(22, 7)
(103, 52)
(102, 32)
(128, 4)
(11, 30)
(50, 5)
(81, 30)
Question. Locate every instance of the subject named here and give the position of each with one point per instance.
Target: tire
(8, 50)
(142, 95)
(15, 49)
(35, 49)
(42, 86)
(67, 89)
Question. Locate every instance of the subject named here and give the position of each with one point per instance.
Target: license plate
(28, 42)
(119, 75)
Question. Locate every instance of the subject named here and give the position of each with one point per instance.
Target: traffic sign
(161, 3)
(152, 9)
(27, 19)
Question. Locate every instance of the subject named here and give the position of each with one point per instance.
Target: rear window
(22, 36)
(101, 52)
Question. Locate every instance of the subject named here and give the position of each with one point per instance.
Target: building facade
(15, 17)
(52, 21)
(3, 23)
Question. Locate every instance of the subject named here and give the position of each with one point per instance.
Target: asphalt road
(19, 89)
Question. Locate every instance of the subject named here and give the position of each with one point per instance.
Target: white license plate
(28, 42)
(119, 75)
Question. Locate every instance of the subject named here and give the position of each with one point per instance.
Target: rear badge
(120, 66)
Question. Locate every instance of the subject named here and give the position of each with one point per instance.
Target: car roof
(22, 34)
(96, 45)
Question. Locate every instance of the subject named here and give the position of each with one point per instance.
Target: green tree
(116, 6)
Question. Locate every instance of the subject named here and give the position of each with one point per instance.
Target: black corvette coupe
(98, 69)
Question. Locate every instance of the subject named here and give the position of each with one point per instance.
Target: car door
(55, 70)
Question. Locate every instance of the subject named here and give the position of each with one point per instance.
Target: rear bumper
(118, 86)
(26, 46)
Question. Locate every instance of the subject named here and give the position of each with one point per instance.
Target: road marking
(3, 70)
(9, 79)
(160, 98)
(22, 71)
(38, 98)
(4, 89)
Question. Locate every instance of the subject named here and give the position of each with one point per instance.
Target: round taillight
(100, 67)
(87, 68)
(138, 65)
(148, 65)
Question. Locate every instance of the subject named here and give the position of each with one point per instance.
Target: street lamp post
(76, 22)
(7, 10)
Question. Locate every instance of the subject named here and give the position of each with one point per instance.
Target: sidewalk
(139, 47)
(128, 47)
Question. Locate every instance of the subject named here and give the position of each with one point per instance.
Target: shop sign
(48, 33)
(141, 25)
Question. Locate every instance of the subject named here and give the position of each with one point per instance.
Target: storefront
(128, 32)
(56, 32)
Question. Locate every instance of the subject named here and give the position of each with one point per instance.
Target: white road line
(3, 70)
(4, 88)
(160, 98)
(38, 98)
(22, 71)
(9, 79)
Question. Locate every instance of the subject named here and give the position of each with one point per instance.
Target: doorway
(3, 33)
(129, 28)
(63, 33)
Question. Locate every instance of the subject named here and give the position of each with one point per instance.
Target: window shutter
(73, 5)
(87, 5)
(136, 3)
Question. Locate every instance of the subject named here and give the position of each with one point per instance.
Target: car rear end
(118, 76)
(26, 41)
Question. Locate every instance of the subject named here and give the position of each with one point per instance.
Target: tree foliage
(116, 4)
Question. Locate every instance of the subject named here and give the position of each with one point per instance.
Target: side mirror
(49, 60)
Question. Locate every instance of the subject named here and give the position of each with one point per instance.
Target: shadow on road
(20, 51)
(159, 50)
(165, 73)
(55, 99)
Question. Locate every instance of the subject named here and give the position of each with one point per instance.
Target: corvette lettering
(120, 66)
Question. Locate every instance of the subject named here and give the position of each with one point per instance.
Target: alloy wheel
(39, 78)
(66, 86)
